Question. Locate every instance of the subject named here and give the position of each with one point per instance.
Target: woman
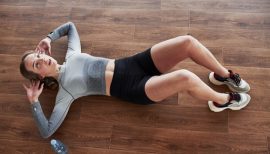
(139, 79)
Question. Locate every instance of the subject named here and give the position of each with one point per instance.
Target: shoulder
(63, 96)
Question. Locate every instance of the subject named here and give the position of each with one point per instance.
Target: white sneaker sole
(213, 108)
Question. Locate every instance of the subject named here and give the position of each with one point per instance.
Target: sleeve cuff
(50, 35)
(36, 106)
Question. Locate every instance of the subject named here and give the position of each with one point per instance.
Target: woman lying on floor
(140, 78)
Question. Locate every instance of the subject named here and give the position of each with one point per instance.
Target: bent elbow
(45, 136)
(70, 23)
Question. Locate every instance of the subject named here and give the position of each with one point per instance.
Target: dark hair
(49, 82)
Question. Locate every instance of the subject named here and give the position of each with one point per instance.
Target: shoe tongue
(235, 96)
(235, 77)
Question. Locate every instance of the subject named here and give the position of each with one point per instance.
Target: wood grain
(167, 141)
(219, 37)
(177, 18)
(228, 20)
(222, 5)
(236, 32)
(256, 123)
(250, 57)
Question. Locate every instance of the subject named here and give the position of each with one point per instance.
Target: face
(41, 64)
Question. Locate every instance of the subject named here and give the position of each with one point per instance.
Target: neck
(57, 72)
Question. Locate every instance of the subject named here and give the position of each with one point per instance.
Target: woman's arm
(63, 102)
(69, 29)
(48, 127)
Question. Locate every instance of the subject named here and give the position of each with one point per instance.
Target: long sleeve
(48, 127)
(69, 29)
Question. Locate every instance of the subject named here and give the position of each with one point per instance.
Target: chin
(54, 62)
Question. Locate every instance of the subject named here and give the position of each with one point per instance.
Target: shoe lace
(234, 96)
(235, 77)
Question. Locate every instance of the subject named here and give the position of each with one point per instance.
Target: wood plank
(227, 20)
(10, 13)
(156, 34)
(130, 17)
(247, 143)
(67, 3)
(89, 150)
(15, 146)
(18, 105)
(23, 2)
(221, 5)
(55, 14)
(267, 39)
(77, 3)
(37, 31)
(267, 23)
(130, 4)
(249, 121)
(171, 141)
(9, 2)
(164, 116)
(18, 128)
(219, 37)
(101, 32)
(8, 61)
(268, 143)
(7, 29)
(155, 140)
(250, 57)
(85, 133)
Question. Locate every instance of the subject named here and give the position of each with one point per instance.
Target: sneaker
(237, 101)
(234, 82)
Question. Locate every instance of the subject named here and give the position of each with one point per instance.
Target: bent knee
(186, 40)
(186, 76)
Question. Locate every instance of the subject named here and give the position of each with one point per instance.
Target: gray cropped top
(80, 75)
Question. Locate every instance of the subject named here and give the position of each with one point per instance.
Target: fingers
(44, 46)
(36, 84)
(41, 87)
(25, 87)
(50, 52)
(39, 50)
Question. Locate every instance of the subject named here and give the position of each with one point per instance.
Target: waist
(109, 71)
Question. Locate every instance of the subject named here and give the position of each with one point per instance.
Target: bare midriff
(109, 75)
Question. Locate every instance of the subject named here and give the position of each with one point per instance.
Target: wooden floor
(236, 31)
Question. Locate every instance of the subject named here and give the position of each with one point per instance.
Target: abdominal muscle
(109, 75)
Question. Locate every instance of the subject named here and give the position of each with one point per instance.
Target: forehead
(29, 61)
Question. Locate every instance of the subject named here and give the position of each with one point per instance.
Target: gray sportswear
(80, 75)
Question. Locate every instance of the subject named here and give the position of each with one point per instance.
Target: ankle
(223, 100)
(225, 74)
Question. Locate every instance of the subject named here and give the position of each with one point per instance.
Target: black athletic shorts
(131, 75)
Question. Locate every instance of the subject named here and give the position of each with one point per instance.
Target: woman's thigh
(158, 88)
(168, 53)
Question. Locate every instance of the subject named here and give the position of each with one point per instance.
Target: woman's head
(35, 66)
